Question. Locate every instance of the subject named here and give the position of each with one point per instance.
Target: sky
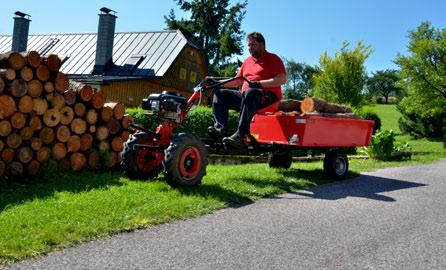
(300, 30)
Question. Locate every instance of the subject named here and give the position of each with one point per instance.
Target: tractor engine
(167, 105)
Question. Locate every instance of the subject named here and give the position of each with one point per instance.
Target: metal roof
(139, 54)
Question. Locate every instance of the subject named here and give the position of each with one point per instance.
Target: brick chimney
(20, 32)
(104, 45)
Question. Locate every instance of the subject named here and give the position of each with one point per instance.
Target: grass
(66, 209)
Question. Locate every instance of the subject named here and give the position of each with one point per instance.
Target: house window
(193, 76)
(182, 73)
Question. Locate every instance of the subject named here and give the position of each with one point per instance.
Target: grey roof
(152, 53)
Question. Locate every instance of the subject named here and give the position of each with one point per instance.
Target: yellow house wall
(183, 75)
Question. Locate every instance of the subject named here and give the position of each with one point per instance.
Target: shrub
(370, 114)
(197, 120)
(383, 147)
(422, 124)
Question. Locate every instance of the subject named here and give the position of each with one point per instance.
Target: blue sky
(294, 29)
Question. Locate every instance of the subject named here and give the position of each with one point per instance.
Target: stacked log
(44, 116)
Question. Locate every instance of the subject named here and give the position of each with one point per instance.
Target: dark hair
(257, 36)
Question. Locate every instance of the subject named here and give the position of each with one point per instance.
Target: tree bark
(63, 133)
(36, 143)
(40, 106)
(5, 128)
(7, 106)
(25, 154)
(106, 114)
(113, 126)
(57, 101)
(310, 104)
(49, 87)
(86, 141)
(117, 144)
(26, 73)
(78, 126)
(101, 133)
(92, 116)
(61, 84)
(86, 93)
(35, 88)
(18, 120)
(43, 73)
(290, 105)
(53, 62)
(77, 161)
(8, 155)
(33, 167)
(19, 88)
(117, 108)
(51, 118)
(98, 99)
(47, 135)
(43, 154)
(35, 123)
(80, 109)
(26, 104)
(67, 115)
(2, 85)
(14, 140)
(26, 133)
(74, 143)
(59, 151)
(33, 59)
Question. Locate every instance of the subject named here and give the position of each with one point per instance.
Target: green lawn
(66, 209)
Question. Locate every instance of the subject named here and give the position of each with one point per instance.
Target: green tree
(341, 78)
(215, 26)
(300, 82)
(384, 83)
(423, 73)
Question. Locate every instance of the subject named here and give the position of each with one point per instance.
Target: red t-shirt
(266, 67)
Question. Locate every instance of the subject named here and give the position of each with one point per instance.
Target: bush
(383, 147)
(370, 114)
(197, 120)
(430, 125)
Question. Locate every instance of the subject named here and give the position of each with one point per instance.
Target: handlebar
(201, 87)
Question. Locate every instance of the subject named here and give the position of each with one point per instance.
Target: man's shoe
(235, 140)
(216, 133)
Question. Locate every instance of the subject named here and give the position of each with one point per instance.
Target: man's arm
(233, 84)
(274, 82)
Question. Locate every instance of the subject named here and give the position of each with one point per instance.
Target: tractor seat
(269, 109)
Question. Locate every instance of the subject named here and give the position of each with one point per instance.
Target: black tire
(140, 163)
(336, 165)
(279, 160)
(185, 161)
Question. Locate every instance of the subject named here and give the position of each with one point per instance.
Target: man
(265, 72)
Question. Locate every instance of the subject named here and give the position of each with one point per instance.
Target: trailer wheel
(336, 165)
(141, 163)
(185, 161)
(279, 160)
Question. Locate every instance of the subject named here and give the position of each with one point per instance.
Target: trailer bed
(311, 131)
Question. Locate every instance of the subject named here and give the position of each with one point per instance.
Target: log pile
(44, 115)
(316, 107)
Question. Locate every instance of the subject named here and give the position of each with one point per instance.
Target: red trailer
(183, 157)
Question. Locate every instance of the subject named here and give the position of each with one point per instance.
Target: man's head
(256, 44)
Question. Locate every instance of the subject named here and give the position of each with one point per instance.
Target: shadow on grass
(17, 192)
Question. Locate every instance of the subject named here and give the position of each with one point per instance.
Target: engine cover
(166, 105)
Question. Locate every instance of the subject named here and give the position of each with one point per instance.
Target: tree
(384, 83)
(300, 80)
(423, 73)
(215, 26)
(341, 78)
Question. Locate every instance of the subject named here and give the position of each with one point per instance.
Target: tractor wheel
(185, 161)
(336, 165)
(279, 160)
(141, 163)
